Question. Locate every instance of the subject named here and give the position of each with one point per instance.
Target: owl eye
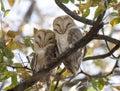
(37, 43)
(68, 25)
(39, 37)
(58, 25)
(50, 38)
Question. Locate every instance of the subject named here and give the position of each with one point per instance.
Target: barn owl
(67, 33)
(45, 51)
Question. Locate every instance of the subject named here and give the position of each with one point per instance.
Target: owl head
(62, 24)
(43, 38)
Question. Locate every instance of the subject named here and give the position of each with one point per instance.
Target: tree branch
(74, 15)
(25, 67)
(107, 38)
(80, 44)
(102, 75)
(104, 55)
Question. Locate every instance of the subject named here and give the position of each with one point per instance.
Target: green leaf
(14, 79)
(94, 83)
(94, 2)
(28, 42)
(100, 83)
(91, 89)
(1, 46)
(114, 14)
(86, 13)
(52, 88)
(72, 1)
(2, 6)
(115, 21)
(9, 87)
(4, 75)
(8, 53)
(1, 56)
(30, 88)
(57, 89)
(98, 11)
(3, 67)
(64, 1)
(6, 12)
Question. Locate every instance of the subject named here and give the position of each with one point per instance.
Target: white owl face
(62, 24)
(43, 38)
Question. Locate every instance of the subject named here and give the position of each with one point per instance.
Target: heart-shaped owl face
(62, 24)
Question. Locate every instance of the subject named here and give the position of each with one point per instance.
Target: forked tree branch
(80, 44)
(74, 15)
(103, 55)
(97, 25)
(109, 39)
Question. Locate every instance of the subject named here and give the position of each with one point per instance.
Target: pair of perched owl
(47, 42)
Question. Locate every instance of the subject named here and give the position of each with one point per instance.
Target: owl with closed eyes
(67, 34)
(44, 51)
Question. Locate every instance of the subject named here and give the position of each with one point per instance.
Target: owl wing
(73, 62)
(74, 35)
(51, 54)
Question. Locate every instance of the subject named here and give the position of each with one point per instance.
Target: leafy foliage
(6, 11)
(22, 70)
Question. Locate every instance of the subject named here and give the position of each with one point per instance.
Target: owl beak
(63, 29)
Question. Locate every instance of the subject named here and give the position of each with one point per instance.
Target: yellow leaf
(84, 6)
(66, 73)
(11, 2)
(1, 33)
(115, 21)
(11, 44)
(94, 2)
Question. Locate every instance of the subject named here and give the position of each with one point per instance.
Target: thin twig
(107, 38)
(101, 75)
(80, 44)
(25, 67)
(106, 42)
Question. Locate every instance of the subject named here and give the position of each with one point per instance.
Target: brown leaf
(11, 34)
(11, 2)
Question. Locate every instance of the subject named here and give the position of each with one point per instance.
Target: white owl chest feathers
(62, 41)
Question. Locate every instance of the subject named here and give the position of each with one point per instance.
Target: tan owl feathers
(44, 48)
(67, 34)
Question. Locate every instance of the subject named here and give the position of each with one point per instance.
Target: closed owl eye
(39, 37)
(57, 24)
(58, 29)
(37, 43)
(68, 25)
(50, 38)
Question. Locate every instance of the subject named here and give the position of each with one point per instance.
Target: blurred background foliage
(16, 43)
